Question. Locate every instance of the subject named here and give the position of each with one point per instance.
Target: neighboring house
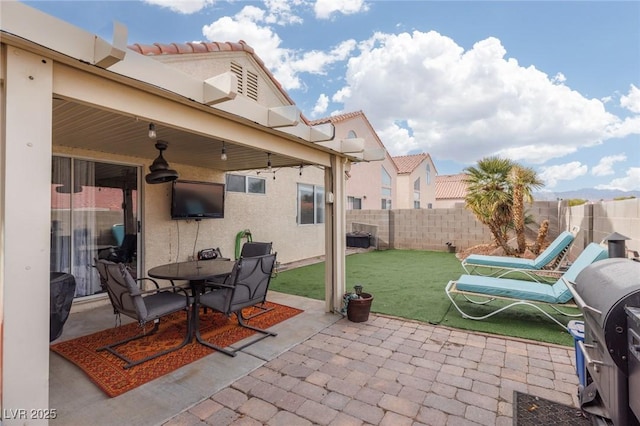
(450, 190)
(415, 182)
(76, 123)
(370, 185)
(404, 182)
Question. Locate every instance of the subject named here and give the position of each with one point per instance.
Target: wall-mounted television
(197, 200)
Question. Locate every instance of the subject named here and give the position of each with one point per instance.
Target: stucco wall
(270, 217)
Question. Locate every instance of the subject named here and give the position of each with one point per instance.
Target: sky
(552, 85)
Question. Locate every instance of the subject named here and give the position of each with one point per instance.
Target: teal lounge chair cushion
(531, 290)
(555, 248)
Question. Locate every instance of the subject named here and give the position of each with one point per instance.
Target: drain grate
(529, 410)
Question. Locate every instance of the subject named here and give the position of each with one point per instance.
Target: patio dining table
(197, 272)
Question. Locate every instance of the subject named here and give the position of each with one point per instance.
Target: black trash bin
(358, 239)
(62, 290)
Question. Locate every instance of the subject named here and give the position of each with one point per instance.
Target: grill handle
(587, 358)
(576, 297)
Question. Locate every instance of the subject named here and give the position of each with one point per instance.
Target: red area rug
(106, 371)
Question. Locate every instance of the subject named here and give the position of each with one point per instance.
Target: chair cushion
(500, 261)
(555, 248)
(530, 290)
(164, 303)
(513, 289)
(543, 259)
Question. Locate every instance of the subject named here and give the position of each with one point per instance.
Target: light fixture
(160, 171)
(268, 161)
(152, 131)
(223, 154)
(300, 172)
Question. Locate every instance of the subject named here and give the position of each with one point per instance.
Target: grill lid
(608, 286)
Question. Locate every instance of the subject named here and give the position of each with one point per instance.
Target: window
(93, 206)
(428, 174)
(351, 135)
(354, 203)
(248, 184)
(310, 204)
(386, 190)
(416, 194)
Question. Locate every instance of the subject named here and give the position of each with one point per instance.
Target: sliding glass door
(94, 210)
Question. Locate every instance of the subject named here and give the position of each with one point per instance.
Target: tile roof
(408, 163)
(340, 117)
(451, 186)
(157, 49)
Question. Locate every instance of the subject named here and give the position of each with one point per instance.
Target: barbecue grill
(602, 291)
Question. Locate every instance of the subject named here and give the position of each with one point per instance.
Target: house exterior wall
(269, 217)
(365, 181)
(204, 66)
(444, 203)
(405, 187)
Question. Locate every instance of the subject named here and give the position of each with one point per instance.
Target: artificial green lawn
(410, 284)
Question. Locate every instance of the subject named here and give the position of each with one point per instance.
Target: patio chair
(142, 305)
(521, 292)
(246, 287)
(549, 260)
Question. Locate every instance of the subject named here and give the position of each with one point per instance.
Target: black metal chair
(254, 248)
(142, 305)
(249, 249)
(247, 286)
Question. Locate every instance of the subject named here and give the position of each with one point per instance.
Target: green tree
(497, 190)
(489, 196)
(522, 180)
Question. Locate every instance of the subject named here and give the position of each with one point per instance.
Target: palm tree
(489, 196)
(496, 192)
(522, 180)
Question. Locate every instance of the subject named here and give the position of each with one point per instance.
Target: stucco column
(25, 211)
(335, 234)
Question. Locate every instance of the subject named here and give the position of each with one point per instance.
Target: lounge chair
(522, 292)
(497, 266)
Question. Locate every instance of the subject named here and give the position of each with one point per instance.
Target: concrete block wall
(599, 220)
(431, 229)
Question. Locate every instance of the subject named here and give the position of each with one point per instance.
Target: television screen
(197, 200)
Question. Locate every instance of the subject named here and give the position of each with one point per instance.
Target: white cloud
(605, 166)
(280, 12)
(185, 7)
(631, 182)
(325, 8)
(569, 171)
(321, 105)
(632, 100)
(465, 105)
(251, 24)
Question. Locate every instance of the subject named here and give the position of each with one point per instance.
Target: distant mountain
(585, 194)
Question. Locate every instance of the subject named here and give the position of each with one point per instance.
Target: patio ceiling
(81, 126)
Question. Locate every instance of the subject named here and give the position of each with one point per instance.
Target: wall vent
(238, 71)
(252, 85)
(247, 81)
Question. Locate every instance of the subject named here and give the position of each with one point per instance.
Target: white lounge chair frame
(592, 253)
(500, 266)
